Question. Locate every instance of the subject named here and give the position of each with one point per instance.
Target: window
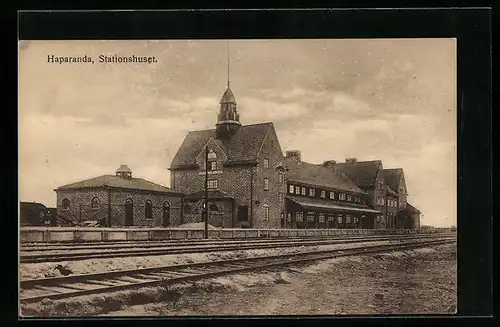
(290, 189)
(341, 196)
(148, 209)
(332, 195)
(266, 163)
(213, 165)
(282, 197)
(348, 219)
(310, 217)
(355, 220)
(297, 190)
(266, 183)
(65, 203)
(95, 203)
(312, 192)
(321, 217)
(266, 212)
(349, 197)
(380, 184)
(382, 201)
(303, 191)
(281, 177)
(339, 219)
(213, 184)
(323, 194)
(331, 218)
(300, 217)
(289, 217)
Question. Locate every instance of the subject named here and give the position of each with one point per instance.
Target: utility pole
(206, 193)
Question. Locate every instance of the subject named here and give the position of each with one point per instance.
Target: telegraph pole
(206, 192)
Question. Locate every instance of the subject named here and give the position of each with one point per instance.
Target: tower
(228, 119)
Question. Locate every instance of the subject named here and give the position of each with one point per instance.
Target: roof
(310, 203)
(244, 144)
(392, 177)
(308, 173)
(362, 173)
(391, 191)
(228, 96)
(123, 169)
(212, 194)
(118, 182)
(411, 208)
(32, 206)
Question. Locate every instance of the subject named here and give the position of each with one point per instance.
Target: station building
(252, 184)
(120, 200)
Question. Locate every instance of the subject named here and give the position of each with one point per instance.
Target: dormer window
(303, 191)
(332, 195)
(290, 189)
(213, 165)
(266, 163)
(323, 194)
(312, 192)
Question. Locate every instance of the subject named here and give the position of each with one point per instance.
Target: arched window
(65, 203)
(148, 209)
(95, 203)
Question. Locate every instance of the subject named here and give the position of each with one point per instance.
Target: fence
(72, 234)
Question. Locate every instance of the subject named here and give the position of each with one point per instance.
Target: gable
(270, 145)
(363, 173)
(213, 145)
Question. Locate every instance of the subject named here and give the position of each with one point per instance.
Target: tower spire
(228, 63)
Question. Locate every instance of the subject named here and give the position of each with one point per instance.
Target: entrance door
(129, 213)
(166, 215)
(243, 213)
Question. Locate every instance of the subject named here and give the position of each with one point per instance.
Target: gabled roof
(411, 208)
(362, 173)
(391, 191)
(308, 173)
(118, 182)
(392, 177)
(244, 145)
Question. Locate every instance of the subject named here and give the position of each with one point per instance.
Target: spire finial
(228, 62)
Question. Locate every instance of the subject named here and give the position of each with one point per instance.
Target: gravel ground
(48, 269)
(419, 281)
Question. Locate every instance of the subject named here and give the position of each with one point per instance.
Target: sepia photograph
(237, 177)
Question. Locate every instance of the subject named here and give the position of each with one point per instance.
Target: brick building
(252, 184)
(319, 196)
(120, 200)
(246, 183)
(386, 191)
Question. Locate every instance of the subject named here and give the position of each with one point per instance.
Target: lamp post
(208, 155)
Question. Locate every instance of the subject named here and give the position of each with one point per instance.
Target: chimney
(293, 154)
(329, 164)
(351, 160)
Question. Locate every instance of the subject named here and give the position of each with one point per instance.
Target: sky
(387, 99)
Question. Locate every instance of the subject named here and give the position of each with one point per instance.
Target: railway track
(76, 285)
(127, 250)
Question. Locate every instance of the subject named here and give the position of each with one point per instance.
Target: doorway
(129, 212)
(166, 214)
(243, 213)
